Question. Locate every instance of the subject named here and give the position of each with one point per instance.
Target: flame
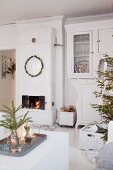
(37, 104)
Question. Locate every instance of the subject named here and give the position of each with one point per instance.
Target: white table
(52, 154)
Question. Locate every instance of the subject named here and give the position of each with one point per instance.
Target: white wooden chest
(67, 118)
(90, 140)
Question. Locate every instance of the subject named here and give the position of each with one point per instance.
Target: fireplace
(33, 102)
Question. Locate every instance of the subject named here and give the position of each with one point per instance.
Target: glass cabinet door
(82, 53)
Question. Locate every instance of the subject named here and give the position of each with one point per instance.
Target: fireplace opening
(33, 102)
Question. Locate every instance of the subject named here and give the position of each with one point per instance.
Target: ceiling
(13, 10)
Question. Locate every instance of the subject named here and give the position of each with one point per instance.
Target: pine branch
(10, 120)
(105, 83)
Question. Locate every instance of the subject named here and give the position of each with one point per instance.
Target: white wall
(18, 36)
(55, 23)
(42, 84)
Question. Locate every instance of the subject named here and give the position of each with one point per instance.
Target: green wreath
(39, 72)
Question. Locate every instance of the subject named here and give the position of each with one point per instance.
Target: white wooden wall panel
(80, 94)
(88, 114)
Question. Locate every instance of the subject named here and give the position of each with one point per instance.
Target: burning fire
(37, 104)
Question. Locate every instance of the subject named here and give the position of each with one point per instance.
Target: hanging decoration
(34, 66)
(8, 66)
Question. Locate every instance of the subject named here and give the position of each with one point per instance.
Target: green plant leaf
(10, 120)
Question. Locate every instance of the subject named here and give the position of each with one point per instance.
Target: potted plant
(105, 93)
(11, 121)
(27, 136)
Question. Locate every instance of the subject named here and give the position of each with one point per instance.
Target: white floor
(78, 158)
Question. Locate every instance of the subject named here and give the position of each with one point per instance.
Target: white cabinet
(79, 53)
(86, 44)
(84, 47)
(85, 97)
(106, 40)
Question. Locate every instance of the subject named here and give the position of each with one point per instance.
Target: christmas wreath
(34, 66)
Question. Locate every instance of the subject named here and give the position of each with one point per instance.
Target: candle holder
(27, 136)
(14, 143)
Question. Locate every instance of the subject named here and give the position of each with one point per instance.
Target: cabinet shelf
(82, 56)
(81, 42)
(81, 61)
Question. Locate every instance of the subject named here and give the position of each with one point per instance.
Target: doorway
(7, 77)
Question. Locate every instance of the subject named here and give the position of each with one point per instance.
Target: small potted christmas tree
(12, 122)
(105, 84)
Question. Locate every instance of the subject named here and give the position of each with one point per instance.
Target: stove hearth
(33, 102)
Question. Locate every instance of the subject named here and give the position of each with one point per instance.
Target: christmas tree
(105, 92)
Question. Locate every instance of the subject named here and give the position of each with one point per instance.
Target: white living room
(56, 85)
